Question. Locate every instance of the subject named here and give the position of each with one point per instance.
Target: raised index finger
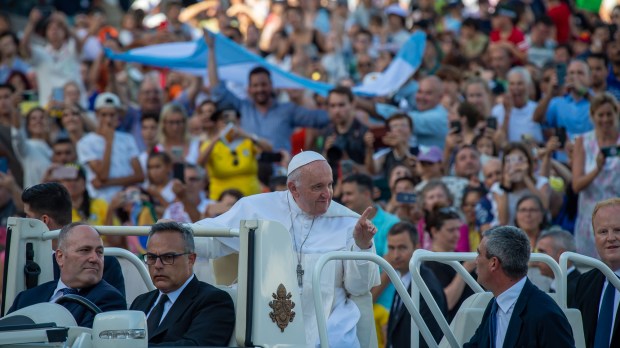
(367, 213)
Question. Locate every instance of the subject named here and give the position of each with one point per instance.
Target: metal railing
(584, 260)
(394, 278)
(199, 231)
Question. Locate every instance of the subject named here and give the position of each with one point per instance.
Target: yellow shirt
(98, 211)
(233, 169)
(474, 239)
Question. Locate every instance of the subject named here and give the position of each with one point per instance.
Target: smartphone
(456, 125)
(611, 151)
(178, 171)
(133, 196)
(560, 72)
(65, 173)
(346, 168)
(4, 165)
(379, 133)
(58, 94)
(272, 157)
(177, 153)
(403, 197)
(492, 122)
(562, 136)
(227, 132)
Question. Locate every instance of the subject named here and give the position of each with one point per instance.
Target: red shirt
(560, 15)
(516, 38)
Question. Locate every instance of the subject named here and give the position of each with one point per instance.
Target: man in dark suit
(80, 257)
(51, 203)
(519, 314)
(595, 297)
(401, 243)
(554, 242)
(182, 311)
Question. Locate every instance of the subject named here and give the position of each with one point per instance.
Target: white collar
(61, 286)
(174, 295)
(509, 297)
(335, 209)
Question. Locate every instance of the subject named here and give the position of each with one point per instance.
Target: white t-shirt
(55, 68)
(521, 122)
(124, 148)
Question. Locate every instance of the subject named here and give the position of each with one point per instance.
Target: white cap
(107, 100)
(303, 158)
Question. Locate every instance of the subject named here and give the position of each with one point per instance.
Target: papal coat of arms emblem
(282, 308)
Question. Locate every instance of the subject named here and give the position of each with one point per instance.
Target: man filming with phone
(572, 110)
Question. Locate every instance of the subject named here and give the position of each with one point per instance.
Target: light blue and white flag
(402, 67)
(235, 62)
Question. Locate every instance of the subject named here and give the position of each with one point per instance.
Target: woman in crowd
(231, 159)
(436, 195)
(31, 145)
(159, 180)
(84, 208)
(173, 135)
(471, 198)
(75, 122)
(518, 180)
(596, 170)
(531, 217)
(478, 94)
(444, 225)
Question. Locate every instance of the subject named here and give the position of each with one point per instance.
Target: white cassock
(332, 231)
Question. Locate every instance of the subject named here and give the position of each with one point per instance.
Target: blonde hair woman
(174, 137)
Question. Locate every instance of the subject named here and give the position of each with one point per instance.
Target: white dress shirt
(172, 297)
(57, 294)
(616, 302)
(506, 304)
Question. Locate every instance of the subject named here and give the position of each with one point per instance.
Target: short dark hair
(399, 116)
(408, 179)
(231, 192)
(599, 56)
(341, 90)
(511, 246)
(438, 216)
(259, 70)
(62, 140)
(65, 230)
(150, 116)
(275, 181)
(172, 226)
(405, 227)
(546, 20)
(165, 157)
(362, 180)
(51, 199)
(7, 86)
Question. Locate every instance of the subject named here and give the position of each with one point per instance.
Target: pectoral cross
(300, 275)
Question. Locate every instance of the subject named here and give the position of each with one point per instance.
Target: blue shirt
(277, 124)
(564, 111)
(430, 126)
(613, 84)
(383, 221)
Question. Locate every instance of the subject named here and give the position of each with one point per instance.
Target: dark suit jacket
(587, 299)
(104, 295)
(399, 323)
(536, 321)
(571, 284)
(202, 315)
(112, 272)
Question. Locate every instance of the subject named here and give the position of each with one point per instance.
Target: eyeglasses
(166, 259)
(526, 210)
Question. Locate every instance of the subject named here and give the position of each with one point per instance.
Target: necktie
(68, 291)
(605, 318)
(155, 316)
(493, 324)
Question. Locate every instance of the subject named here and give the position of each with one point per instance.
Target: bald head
(429, 93)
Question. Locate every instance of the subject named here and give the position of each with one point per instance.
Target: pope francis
(317, 225)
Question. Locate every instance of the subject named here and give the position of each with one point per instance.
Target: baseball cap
(395, 9)
(506, 10)
(430, 154)
(107, 100)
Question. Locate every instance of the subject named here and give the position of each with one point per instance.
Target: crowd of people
(511, 119)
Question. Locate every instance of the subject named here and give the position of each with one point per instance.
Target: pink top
(426, 242)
